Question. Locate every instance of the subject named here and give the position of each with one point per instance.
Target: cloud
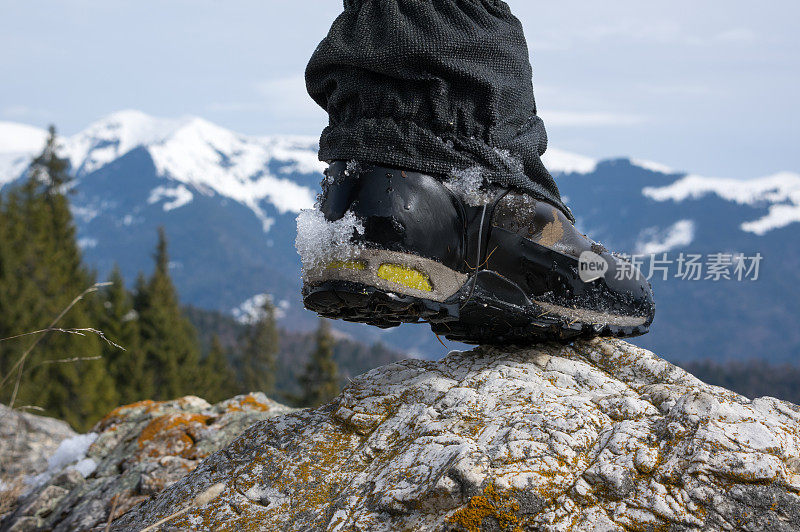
(285, 100)
(227, 107)
(687, 89)
(619, 31)
(282, 100)
(635, 31)
(590, 119)
(21, 111)
(282, 103)
(727, 37)
(736, 35)
(288, 96)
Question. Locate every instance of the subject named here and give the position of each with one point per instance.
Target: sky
(709, 87)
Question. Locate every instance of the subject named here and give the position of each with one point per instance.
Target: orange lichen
(118, 413)
(176, 431)
(313, 479)
(492, 504)
(248, 403)
(147, 403)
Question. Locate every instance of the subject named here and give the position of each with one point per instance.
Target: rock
(598, 436)
(136, 451)
(26, 441)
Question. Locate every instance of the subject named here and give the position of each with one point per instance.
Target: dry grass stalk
(41, 334)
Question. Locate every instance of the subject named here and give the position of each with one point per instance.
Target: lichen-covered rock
(598, 436)
(26, 441)
(139, 450)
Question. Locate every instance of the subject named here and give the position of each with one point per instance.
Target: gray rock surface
(139, 450)
(598, 436)
(26, 441)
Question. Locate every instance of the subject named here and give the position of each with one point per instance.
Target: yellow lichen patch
(471, 426)
(405, 276)
(346, 265)
(314, 480)
(249, 403)
(115, 415)
(172, 434)
(491, 504)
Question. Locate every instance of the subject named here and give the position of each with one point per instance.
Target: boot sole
(386, 289)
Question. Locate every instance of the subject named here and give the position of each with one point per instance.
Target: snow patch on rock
(70, 453)
(27, 442)
(138, 450)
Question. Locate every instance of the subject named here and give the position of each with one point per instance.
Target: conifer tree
(120, 323)
(50, 170)
(218, 380)
(169, 341)
(13, 310)
(259, 349)
(41, 271)
(320, 381)
(140, 293)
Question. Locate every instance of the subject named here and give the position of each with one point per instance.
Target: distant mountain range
(229, 203)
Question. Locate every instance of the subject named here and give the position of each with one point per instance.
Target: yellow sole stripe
(346, 265)
(405, 276)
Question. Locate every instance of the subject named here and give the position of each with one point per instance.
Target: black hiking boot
(482, 265)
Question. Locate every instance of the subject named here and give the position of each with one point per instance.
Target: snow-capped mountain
(780, 191)
(228, 202)
(18, 143)
(192, 154)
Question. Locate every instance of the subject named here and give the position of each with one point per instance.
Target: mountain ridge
(229, 203)
(244, 179)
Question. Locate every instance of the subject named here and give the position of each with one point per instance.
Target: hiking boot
(482, 264)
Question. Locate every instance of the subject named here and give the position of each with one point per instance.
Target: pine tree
(169, 342)
(140, 293)
(41, 271)
(50, 170)
(218, 380)
(320, 381)
(259, 349)
(120, 323)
